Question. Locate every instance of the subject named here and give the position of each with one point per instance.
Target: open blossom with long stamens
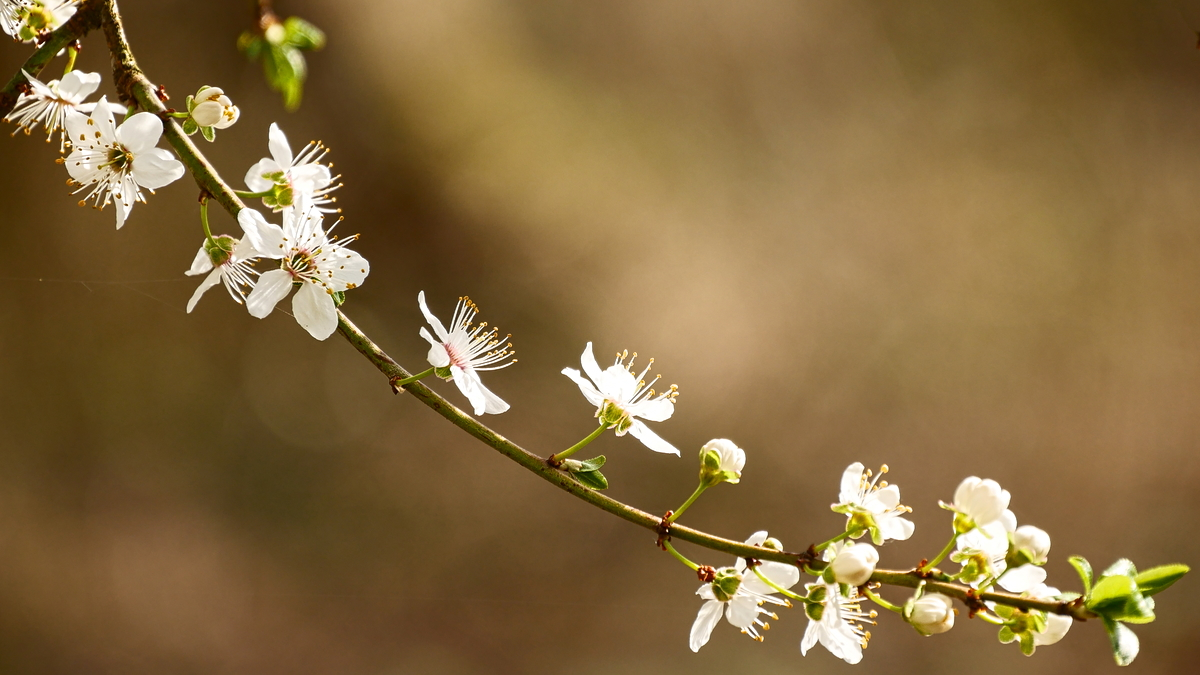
(289, 178)
(114, 163)
(308, 256)
(461, 353)
(621, 397)
(836, 621)
(47, 103)
(26, 20)
(228, 261)
(873, 506)
(741, 593)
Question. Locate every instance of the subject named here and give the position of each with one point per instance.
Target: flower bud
(981, 500)
(1029, 545)
(854, 564)
(930, 614)
(214, 109)
(721, 461)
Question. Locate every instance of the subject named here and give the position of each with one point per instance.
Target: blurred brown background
(958, 238)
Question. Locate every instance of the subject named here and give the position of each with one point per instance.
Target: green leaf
(1158, 579)
(592, 464)
(1123, 567)
(190, 127)
(592, 479)
(1124, 642)
(302, 34)
(209, 133)
(251, 44)
(1111, 595)
(1084, 568)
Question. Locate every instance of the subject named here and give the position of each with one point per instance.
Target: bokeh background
(958, 238)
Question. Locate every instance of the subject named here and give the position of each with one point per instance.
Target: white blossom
(320, 264)
(872, 505)
(291, 178)
(465, 350)
(1023, 625)
(930, 614)
(117, 162)
(741, 594)
(721, 460)
(1034, 542)
(983, 553)
(48, 103)
(851, 563)
(980, 502)
(214, 109)
(25, 20)
(229, 262)
(836, 621)
(621, 398)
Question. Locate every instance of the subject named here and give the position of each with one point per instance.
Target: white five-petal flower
(47, 103)
(117, 162)
(465, 350)
(741, 593)
(621, 398)
(983, 553)
(836, 621)
(214, 109)
(320, 264)
(298, 177)
(872, 505)
(235, 269)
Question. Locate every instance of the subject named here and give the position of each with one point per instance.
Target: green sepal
(593, 479)
(1027, 643)
(302, 34)
(1084, 568)
(339, 298)
(1006, 635)
(1124, 642)
(209, 133)
(191, 102)
(444, 372)
(190, 127)
(1158, 579)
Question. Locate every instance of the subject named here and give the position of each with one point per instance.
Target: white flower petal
(653, 410)
(255, 179)
(438, 328)
(706, 620)
(589, 392)
(272, 287)
(588, 359)
(649, 438)
(78, 85)
(201, 263)
(140, 132)
(211, 280)
(267, 238)
(314, 310)
(741, 610)
(1023, 578)
(278, 144)
(156, 168)
(851, 481)
(468, 384)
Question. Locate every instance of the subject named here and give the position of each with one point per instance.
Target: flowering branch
(985, 539)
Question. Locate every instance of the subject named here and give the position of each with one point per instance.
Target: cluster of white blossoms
(991, 548)
(27, 20)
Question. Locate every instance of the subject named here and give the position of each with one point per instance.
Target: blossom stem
(695, 495)
(250, 195)
(988, 618)
(413, 378)
(204, 220)
(679, 556)
(556, 459)
(778, 589)
(873, 597)
(821, 547)
(179, 115)
(941, 556)
(72, 52)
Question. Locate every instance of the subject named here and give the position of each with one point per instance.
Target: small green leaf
(209, 133)
(1158, 579)
(302, 34)
(1084, 568)
(592, 479)
(592, 464)
(1124, 642)
(251, 44)
(1111, 595)
(190, 127)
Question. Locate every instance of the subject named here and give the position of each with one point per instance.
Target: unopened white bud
(214, 109)
(1033, 542)
(854, 564)
(930, 614)
(721, 461)
(983, 501)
